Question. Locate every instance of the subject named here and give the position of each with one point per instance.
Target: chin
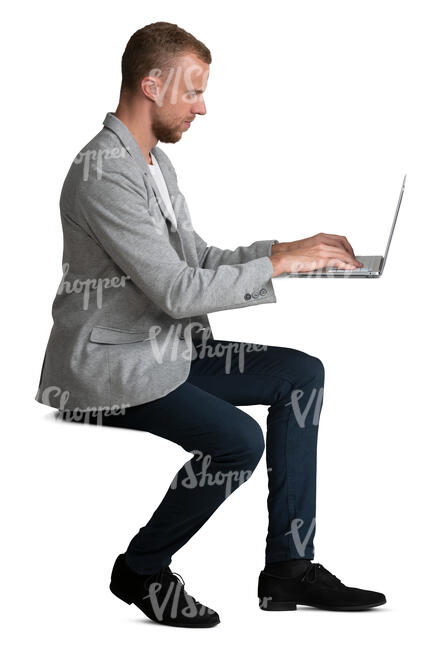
(171, 138)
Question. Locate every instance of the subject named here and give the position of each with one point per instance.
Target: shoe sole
(124, 598)
(281, 606)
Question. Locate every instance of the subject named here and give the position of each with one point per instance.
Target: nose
(200, 107)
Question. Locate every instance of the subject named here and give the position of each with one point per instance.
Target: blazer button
(247, 296)
(255, 294)
(263, 292)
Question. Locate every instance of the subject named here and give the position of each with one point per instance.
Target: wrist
(278, 262)
(280, 247)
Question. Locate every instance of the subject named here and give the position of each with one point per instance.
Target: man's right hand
(313, 253)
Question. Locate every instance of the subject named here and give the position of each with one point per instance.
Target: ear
(150, 88)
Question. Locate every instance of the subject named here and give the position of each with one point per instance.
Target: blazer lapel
(159, 198)
(184, 233)
(182, 236)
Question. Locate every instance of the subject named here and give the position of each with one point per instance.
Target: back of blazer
(135, 290)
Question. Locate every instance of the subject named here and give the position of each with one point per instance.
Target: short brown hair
(157, 45)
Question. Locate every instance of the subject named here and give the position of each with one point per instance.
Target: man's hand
(313, 253)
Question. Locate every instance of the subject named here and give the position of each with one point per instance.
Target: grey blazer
(135, 290)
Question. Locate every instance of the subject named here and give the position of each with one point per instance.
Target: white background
(315, 111)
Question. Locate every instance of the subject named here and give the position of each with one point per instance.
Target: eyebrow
(194, 90)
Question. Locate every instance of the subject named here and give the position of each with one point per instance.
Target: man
(132, 346)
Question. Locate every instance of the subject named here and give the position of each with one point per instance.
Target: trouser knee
(316, 369)
(252, 444)
(246, 445)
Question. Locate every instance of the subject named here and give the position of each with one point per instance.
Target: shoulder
(102, 163)
(105, 152)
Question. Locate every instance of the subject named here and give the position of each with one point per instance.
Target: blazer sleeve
(115, 209)
(210, 257)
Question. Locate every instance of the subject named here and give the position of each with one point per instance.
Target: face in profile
(179, 98)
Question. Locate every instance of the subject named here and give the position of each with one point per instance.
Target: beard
(165, 132)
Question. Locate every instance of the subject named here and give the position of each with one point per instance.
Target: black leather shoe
(315, 587)
(160, 596)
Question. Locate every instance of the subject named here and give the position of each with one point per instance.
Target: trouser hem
(287, 556)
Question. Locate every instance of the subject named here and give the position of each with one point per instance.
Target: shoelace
(315, 571)
(158, 577)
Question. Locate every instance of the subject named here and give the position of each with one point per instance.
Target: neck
(138, 123)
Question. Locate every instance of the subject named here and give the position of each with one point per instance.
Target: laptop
(373, 265)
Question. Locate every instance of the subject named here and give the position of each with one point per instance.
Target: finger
(344, 242)
(347, 245)
(341, 265)
(340, 253)
(325, 262)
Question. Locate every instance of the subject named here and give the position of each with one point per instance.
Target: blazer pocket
(112, 335)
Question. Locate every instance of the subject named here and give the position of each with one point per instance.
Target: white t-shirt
(155, 170)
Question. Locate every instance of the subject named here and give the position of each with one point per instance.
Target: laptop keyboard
(371, 267)
(360, 269)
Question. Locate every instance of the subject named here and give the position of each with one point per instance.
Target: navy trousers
(201, 415)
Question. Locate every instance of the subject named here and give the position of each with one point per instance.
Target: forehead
(193, 72)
